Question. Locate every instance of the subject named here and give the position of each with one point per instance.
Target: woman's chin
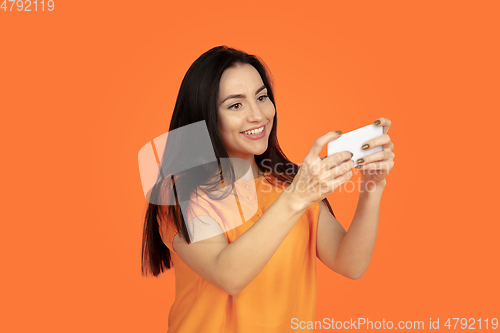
(260, 151)
(253, 149)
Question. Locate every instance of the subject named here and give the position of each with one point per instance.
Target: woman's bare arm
(232, 267)
(349, 253)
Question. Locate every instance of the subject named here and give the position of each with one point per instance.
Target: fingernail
(377, 122)
(338, 132)
(352, 154)
(358, 166)
(365, 146)
(361, 160)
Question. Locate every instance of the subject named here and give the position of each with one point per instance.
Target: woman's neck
(255, 171)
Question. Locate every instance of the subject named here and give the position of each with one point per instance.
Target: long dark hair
(198, 101)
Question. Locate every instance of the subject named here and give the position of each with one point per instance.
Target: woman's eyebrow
(241, 95)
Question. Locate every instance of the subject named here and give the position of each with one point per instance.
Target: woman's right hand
(317, 177)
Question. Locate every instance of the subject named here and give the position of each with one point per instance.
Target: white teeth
(255, 131)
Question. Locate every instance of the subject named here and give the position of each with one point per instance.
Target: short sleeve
(202, 221)
(199, 206)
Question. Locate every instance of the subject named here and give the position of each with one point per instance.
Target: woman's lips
(255, 136)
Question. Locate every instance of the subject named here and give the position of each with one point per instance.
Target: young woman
(258, 275)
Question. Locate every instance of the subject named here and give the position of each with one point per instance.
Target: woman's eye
(259, 98)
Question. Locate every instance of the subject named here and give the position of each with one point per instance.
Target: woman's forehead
(240, 76)
(239, 80)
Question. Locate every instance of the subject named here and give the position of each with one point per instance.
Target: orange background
(84, 87)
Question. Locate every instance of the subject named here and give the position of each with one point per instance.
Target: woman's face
(250, 109)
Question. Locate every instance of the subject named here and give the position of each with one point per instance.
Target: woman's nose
(255, 113)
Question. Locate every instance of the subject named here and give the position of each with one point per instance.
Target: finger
(331, 172)
(384, 122)
(384, 139)
(318, 145)
(384, 166)
(322, 166)
(334, 159)
(375, 157)
(341, 169)
(344, 178)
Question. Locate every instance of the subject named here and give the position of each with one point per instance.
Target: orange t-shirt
(285, 289)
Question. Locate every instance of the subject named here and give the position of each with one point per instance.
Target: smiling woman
(243, 129)
(235, 274)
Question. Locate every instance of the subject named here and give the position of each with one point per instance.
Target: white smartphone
(353, 140)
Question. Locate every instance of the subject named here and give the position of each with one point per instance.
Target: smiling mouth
(255, 131)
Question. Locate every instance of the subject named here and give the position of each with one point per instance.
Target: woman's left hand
(375, 167)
